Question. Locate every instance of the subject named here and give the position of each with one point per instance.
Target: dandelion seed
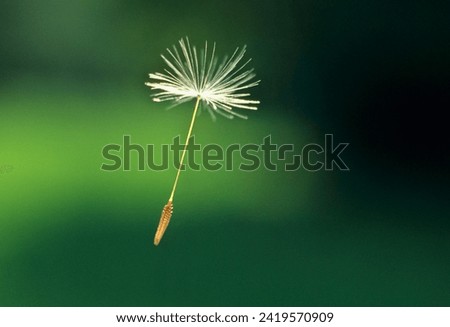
(163, 222)
(220, 88)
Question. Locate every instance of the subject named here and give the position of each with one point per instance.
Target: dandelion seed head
(221, 85)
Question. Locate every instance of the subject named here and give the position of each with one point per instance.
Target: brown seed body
(163, 222)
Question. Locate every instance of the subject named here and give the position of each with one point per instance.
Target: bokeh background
(373, 73)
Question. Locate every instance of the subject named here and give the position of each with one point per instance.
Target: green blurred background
(373, 73)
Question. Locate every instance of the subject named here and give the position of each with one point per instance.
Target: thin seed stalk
(168, 208)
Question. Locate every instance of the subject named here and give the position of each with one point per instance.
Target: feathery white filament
(190, 75)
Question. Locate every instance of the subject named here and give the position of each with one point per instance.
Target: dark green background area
(373, 73)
